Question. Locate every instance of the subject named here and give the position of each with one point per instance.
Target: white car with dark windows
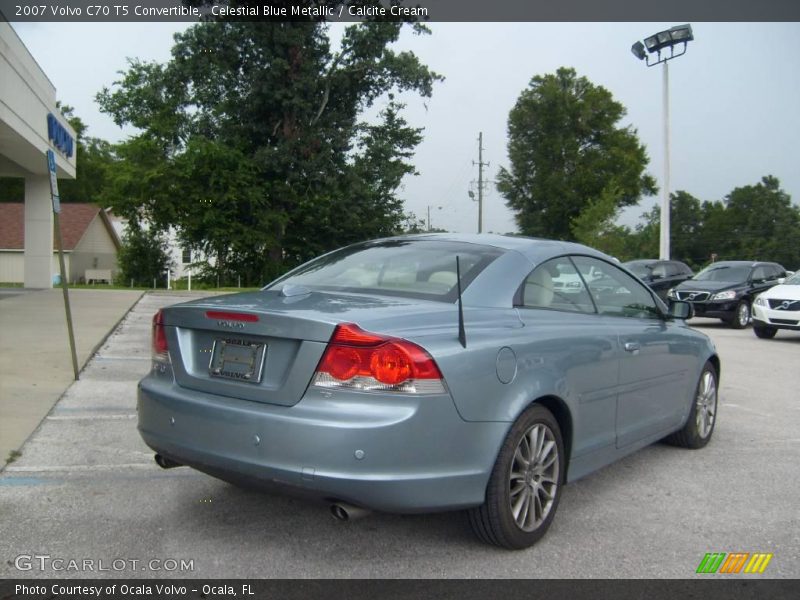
(778, 308)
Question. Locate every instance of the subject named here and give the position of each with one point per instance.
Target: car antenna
(462, 334)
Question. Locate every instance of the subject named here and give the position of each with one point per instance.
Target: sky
(734, 99)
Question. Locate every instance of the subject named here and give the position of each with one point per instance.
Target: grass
(12, 456)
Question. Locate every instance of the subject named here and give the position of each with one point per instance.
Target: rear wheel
(703, 414)
(742, 316)
(525, 486)
(764, 332)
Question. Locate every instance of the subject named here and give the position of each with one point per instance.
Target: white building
(30, 124)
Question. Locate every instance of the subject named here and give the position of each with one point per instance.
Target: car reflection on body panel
(427, 373)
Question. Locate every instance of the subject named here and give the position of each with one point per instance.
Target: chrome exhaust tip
(342, 511)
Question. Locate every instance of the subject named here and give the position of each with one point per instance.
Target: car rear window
(407, 268)
(640, 269)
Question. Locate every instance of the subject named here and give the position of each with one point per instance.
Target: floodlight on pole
(674, 39)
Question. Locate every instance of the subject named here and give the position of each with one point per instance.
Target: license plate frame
(236, 359)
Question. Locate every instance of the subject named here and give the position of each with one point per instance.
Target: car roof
(535, 249)
(739, 263)
(646, 261)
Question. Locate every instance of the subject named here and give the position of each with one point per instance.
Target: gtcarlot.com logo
(45, 562)
(734, 563)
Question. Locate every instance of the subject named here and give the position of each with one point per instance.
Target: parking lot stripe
(90, 417)
(76, 468)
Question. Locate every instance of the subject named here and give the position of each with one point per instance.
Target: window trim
(659, 304)
(518, 300)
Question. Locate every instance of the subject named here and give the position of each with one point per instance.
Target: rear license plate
(237, 359)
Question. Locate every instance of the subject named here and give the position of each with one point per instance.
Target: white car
(778, 308)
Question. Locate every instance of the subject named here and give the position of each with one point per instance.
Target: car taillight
(360, 360)
(160, 348)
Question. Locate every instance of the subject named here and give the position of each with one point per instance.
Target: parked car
(429, 373)
(778, 308)
(660, 275)
(726, 289)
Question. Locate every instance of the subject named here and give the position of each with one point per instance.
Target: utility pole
(481, 164)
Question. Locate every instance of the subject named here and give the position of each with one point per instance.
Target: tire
(764, 332)
(741, 317)
(699, 427)
(521, 500)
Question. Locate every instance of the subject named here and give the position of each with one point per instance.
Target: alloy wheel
(743, 314)
(534, 477)
(706, 404)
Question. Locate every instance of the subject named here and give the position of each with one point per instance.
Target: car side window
(556, 285)
(673, 270)
(759, 274)
(615, 292)
(660, 271)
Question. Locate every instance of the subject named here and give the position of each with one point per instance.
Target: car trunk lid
(265, 346)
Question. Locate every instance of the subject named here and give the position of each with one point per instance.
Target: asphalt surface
(85, 488)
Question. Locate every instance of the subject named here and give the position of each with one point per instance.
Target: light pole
(679, 36)
(429, 215)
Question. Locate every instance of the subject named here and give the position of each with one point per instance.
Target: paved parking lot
(86, 488)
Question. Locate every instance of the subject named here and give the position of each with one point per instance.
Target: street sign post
(51, 168)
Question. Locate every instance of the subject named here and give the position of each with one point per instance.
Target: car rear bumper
(407, 454)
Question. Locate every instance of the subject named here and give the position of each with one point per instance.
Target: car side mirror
(680, 310)
(781, 280)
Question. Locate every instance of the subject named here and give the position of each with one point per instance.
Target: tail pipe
(166, 463)
(342, 511)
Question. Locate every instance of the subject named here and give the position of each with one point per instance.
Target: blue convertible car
(428, 373)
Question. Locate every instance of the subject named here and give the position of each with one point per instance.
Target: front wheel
(742, 316)
(703, 414)
(525, 485)
(764, 332)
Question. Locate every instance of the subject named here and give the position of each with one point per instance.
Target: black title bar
(423, 10)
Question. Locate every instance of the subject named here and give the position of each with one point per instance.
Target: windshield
(409, 268)
(723, 273)
(793, 280)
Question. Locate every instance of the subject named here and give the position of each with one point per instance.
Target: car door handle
(631, 346)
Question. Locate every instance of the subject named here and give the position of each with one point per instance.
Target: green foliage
(762, 223)
(251, 143)
(143, 257)
(595, 226)
(565, 149)
(754, 222)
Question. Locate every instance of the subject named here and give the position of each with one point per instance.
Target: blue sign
(51, 167)
(60, 137)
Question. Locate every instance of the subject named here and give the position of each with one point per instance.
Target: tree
(754, 222)
(763, 223)
(687, 240)
(596, 225)
(143, 257)
(565, 148)
(251, 143)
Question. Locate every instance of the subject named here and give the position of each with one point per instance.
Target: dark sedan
(725, 290)
(660, 275)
